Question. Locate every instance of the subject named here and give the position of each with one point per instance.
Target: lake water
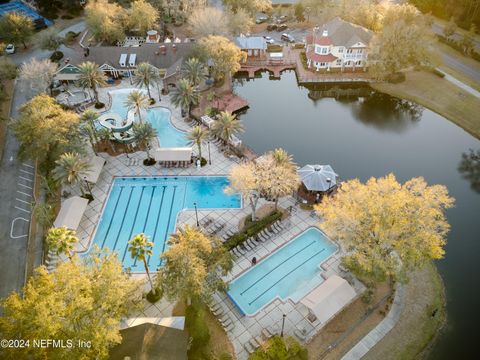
(374, 135)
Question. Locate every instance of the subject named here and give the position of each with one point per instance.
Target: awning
(318, 177)
(207, 120)
(173, 154)
(329, 298)
(96, 166)
(71, 212)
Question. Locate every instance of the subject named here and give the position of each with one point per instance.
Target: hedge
(274, 48)
(251, 229)
(198, 330)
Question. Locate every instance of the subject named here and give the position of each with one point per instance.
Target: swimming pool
(290, 272)
(168, 135)
(150, 205)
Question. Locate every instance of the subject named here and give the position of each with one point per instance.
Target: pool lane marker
(158, 220)
(276, 267)
(113, 214)
(123, 218)
(133, 224)
(168, 223)
(283, 277)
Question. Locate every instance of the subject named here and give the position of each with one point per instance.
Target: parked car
(269, 40)
(261, 19)
(282, 27)
(282, 19)
(272, 27)
(287, 38)
(10, 49)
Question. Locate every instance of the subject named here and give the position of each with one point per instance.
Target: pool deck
(245, 328)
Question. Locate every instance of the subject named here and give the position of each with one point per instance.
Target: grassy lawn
(438, 95)
(5, 111)
(417, 326)
(465, 60)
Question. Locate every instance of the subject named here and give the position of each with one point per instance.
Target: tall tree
(251, 6)
(81, 295)
(38, 74)
(50, 40)
(385, 227)
(71, 169)
(140, 248)
(193, 265)
(225, 55)
(144, 133)
(142, 16)
(91, 77)
(194, 71)
(227, 125)
(239, 22)
(145, 75)
(283, 158)
(16, 28)
(185, 96)
(61, 241)
(450, 28)
(105, 20)
(44, 129)
(197, 135)
(207, 21)
(138, 102)
(244, 181)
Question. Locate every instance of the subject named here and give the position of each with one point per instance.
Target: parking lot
(298, 35)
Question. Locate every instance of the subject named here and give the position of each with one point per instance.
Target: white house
(338, 45)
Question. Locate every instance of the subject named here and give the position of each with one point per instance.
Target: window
(322, 64)
(339, 61)
(349, 51)
(324, 50)
(340, 49)
(359, 51)
(359, 62)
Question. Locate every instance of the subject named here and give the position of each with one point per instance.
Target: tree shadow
(469, 168)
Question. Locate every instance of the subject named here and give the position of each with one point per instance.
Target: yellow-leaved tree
(83, 299)
(386, 228)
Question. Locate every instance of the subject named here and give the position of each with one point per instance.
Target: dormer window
(324, 50)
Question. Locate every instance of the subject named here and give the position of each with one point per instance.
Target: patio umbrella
(318, 177)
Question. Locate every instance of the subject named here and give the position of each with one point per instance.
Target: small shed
(183, 154)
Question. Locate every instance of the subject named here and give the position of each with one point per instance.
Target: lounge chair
(247, 246)
(250, 349)
(251, 243)
(218, 312)
(301, 335)
(262, 237)
(241, 250)
(266, 334)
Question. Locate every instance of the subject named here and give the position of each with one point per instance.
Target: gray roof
(318, 177)
(251, 43)
(151, 342)
(343, 33)
(145, 53)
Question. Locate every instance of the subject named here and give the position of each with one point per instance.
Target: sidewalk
(460, 84)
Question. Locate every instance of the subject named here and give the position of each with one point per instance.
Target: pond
(374, 134)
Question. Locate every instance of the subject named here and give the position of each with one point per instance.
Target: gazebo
(317, 180)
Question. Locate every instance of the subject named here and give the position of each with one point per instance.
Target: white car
(269, 40)
(10, 49)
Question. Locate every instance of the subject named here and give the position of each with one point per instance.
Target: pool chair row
(222, 316)
(169, 164)
(211, 226)
(256, 342)
(264, 235)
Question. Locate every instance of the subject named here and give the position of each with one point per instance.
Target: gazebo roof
(318, 177)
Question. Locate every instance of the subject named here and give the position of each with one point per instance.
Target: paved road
(438, 29)
(16, 182)
(458, 65)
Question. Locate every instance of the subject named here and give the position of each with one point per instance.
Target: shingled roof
(342, 33)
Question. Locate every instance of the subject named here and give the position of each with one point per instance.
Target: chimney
(325, 32)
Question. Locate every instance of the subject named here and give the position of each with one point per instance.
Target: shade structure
(71, 212)
(329, 298)
(173, 154)
(318, 177)
(96, 166)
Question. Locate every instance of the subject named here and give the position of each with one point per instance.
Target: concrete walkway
(460, 84)
(382, 329)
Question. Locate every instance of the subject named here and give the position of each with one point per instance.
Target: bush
(252, 228)
(274, 48)
(153, 297)
(67, 17)
(303, 59)
(56, 56)
(203, 162)
(198, 330)
(152, 101)
(70, 37)
(299, 46)
(99, 105)
(279, 348)
(438, 73)
(395, 78)
(149, 162)
(475, 55)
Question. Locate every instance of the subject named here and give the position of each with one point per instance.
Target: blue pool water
(168, 135)
(290, 272)
(150, 205)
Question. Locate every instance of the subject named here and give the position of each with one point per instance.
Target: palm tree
(143, 133)
(145, 74)
(105, 135)
(88, 119)
(61, 241)
(283, 158)
(91, 77)
(184, 95)
(197, 135)
(226, 125)
(71, 169)
(140, 247)
(137, 101)
(194, 71)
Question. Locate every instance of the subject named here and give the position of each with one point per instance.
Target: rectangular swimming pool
(290, 272)
(150, 205)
